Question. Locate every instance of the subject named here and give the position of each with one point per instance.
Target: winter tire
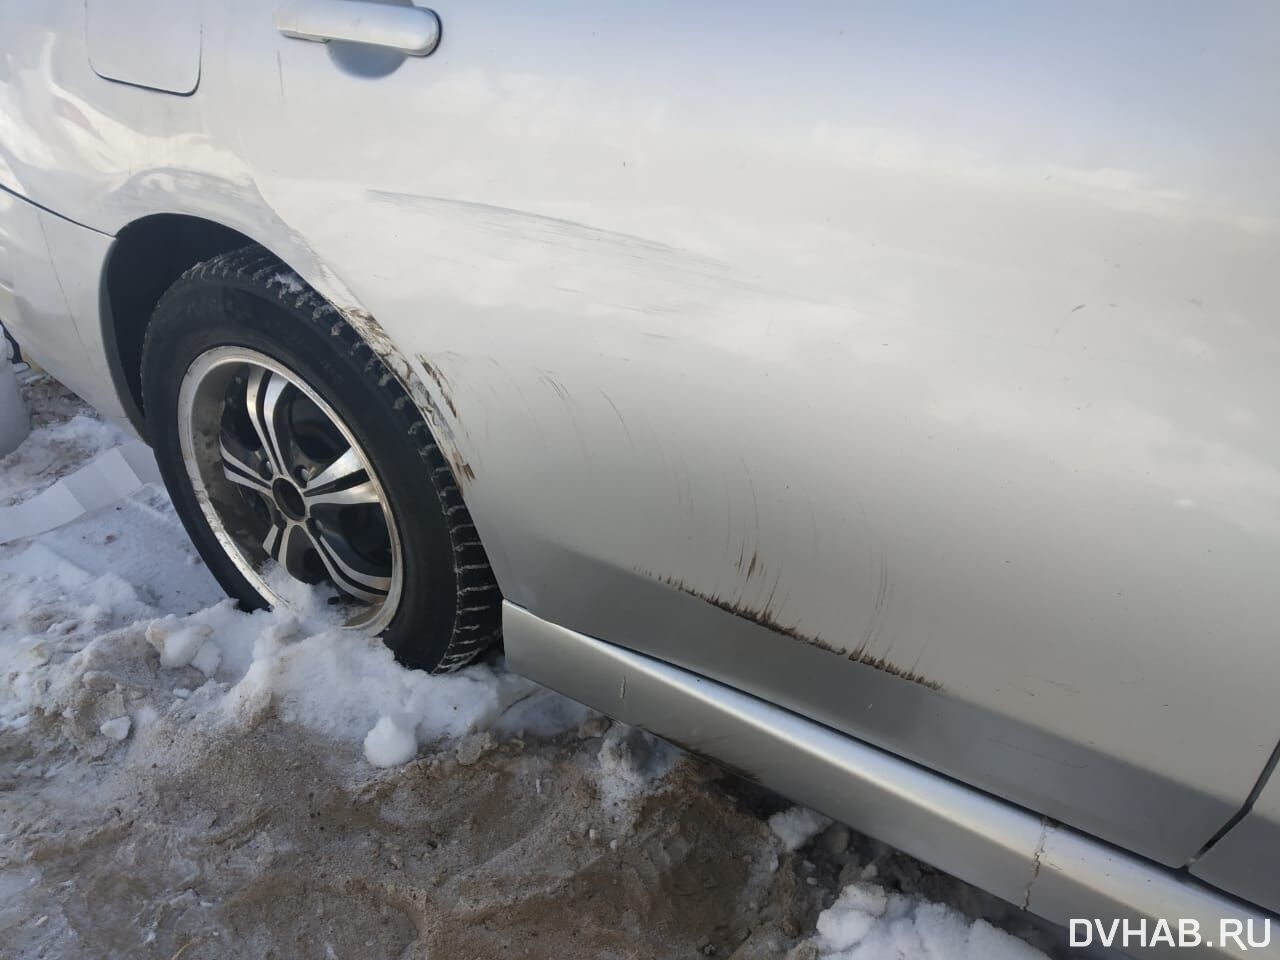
(293, 455)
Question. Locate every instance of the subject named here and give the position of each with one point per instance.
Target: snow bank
(222, 667)
(868, 923)
(231, 668)
(308, 671)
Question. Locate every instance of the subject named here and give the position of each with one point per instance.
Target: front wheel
(301, 469)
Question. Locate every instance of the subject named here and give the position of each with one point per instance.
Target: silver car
(879, 397)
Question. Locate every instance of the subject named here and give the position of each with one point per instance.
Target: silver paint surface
(169, 58)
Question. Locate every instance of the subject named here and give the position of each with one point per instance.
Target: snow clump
(796, 826)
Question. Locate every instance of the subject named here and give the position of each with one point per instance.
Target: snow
(868, 923)
(391, 742)
(111, 476)
(848, 921)
(178, 647)
(289, 280)
(46, 453)
(797, 826)
(116, 729)
(342, 685)
(631, 762)
(207, 659)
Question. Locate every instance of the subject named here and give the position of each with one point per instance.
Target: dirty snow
(48, 451)
(116, 729)
(796, 826)
(178, 777)
(289, 280)
(867, 923)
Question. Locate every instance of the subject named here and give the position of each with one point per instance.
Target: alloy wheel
(288, 491)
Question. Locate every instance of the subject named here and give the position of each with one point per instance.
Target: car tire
(291, 453)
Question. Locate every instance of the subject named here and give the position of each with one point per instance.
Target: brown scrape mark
(764, 619)
(367, 326)
(883, 665)
(462, 472)
(755, 616)
(441, 383)
(372, 333)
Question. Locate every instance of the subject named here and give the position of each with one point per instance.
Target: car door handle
(411, 30)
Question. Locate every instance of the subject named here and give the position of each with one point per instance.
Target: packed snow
(42, 457)
(133, 694)
(868, 923)
(796, 826)
(392, 741)
(116, 729)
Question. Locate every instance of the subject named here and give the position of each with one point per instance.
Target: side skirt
(1046, 868)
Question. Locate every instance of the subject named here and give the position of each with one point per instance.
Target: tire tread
(476, 626)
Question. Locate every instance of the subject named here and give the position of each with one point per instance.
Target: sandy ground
(213, 832)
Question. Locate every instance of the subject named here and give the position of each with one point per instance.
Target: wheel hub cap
(288, 499)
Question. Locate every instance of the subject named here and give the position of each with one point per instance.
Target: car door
(76, 122)
(909, 365)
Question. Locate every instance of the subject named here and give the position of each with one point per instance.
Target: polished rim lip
(206, 363)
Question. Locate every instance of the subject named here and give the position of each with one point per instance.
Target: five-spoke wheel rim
(285, 486)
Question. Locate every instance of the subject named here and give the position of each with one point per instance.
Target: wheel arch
(148, 255)
(152, 251)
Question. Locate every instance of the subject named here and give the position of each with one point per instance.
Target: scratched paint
(764, 619)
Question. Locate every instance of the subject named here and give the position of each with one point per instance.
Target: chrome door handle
(411, 30)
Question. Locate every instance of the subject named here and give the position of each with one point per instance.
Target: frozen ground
(182, 780)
